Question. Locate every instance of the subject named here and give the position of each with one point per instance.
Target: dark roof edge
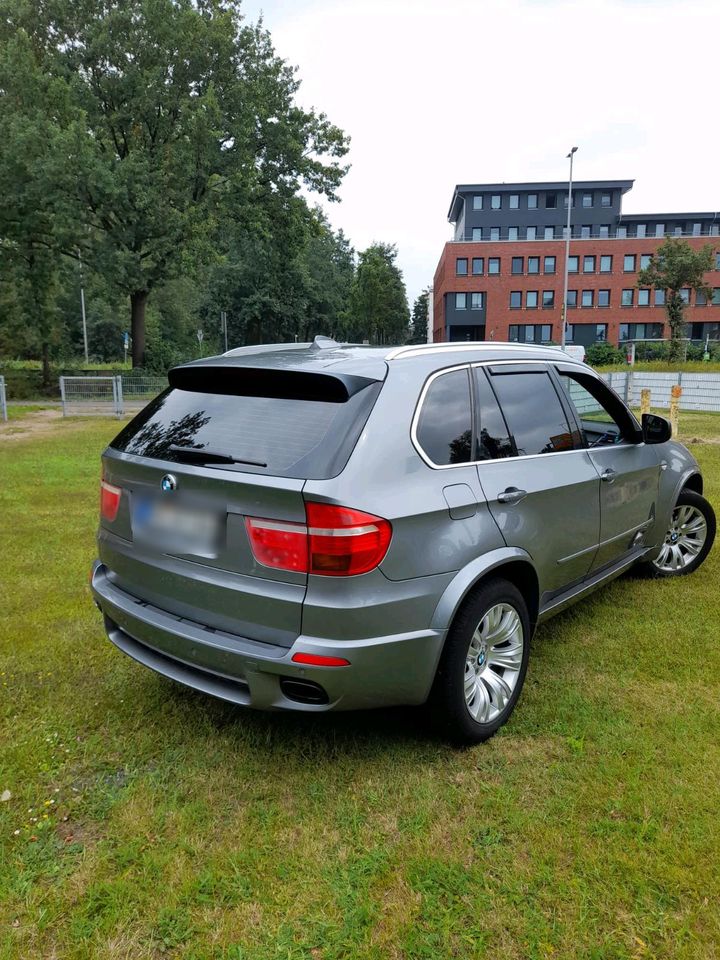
(623, 185)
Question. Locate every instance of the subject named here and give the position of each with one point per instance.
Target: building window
(621, 233)
(572, 299)
(715, 229)
(643, 298)
(700, 299)
(512, 233)
(531, 233)
(533, 264)
(551, 201)
(697, 229)
(605, 199)
(461, 267)
(565, 200)
(531, 299)
(603, 298)
(477, 233)
(585, 232)
(549, 265)
(587, 298)
(717, 261)
(549, 233)
(518, 264)
(532, 201)
(478, 266)
(685, 295)
(604, 231)
(659, 229)
(494, 233)
(477, 201)
(629, 263)
(515, 299)
(476, 301)
(588, 264)
(495, 201)
(514, 201)
(529, 333)
(513, 332)
(659, 298)
(645, 259)
(461, 301)
(548, 299)
(573, 264)
(627, 298)
(494, 265)
(716, 297)
(677, 230)
(606, 264)
(600, 331)
(641, 230)
(587, 200)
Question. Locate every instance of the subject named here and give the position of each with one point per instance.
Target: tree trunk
(138, 302)
(677, 327)
(45, 364)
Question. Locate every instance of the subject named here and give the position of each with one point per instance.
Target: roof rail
(264, 348)
(446, 347)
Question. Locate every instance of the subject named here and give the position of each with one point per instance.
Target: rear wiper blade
(202, 455)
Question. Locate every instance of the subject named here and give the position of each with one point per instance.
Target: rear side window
(302, 436)
(444, 429)
(492, 441)
(534, 414)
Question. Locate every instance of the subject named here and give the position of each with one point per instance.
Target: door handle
(511, 495)
(608, 475)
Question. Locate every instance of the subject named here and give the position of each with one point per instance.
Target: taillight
(109, 500)
(345, 542)
(335, 542)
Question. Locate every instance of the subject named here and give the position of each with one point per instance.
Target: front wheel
(483, 665)
(688, 539)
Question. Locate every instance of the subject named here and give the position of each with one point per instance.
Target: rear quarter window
(444, 426)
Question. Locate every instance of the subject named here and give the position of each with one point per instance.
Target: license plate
(173, 527)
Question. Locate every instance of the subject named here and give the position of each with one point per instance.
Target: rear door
(541, 489)
(210, 452)
(629, 470)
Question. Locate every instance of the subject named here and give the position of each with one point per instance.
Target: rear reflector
(109, 500)
(335, 542)
(315, 660)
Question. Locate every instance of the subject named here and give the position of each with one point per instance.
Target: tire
(475, 717)
(683, 552)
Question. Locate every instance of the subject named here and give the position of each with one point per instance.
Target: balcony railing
(594, 236)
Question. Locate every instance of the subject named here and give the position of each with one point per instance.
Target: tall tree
(419, 319)
(191, 122)
(674, 267)
(378, 301)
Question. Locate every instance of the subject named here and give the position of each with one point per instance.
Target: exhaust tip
(303, 691)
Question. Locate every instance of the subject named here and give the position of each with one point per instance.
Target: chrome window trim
(470, 365)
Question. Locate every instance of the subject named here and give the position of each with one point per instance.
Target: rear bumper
(384, 671)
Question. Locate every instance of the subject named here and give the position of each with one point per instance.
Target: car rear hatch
(225, 442)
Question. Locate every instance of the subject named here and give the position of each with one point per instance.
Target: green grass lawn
(148, 821)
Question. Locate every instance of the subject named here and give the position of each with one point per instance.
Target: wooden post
(675, 394)
(644, 401)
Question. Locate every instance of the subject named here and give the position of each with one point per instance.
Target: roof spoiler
(234, 379)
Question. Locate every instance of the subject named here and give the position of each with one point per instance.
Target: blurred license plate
(173, 527)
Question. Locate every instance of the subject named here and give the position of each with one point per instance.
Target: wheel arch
(693, 482)
(510, 563)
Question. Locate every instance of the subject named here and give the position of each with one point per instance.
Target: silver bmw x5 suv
(321, 527)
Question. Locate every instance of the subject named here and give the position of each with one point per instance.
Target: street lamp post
(567, 251)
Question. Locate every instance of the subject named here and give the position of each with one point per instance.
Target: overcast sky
(439, 92)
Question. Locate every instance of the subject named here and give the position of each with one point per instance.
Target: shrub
(603, 355)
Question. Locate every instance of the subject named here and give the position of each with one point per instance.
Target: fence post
(62, 394)
(628, 378)
(3, 400)
(675, 394)
(118, 391)
(644, 401)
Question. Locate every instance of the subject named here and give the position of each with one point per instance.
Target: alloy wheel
(493, 662)
(683, 541)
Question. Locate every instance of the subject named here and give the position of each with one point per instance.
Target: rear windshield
(305, 438)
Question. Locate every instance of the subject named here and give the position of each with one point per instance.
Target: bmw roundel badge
(168, 483)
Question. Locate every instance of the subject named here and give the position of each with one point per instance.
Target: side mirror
(655, 429)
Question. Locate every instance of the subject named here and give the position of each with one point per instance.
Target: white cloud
(437, 93)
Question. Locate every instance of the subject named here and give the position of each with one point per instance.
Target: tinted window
(533, 413)
(444, 429)
(283, 436)
(602, 417)
(492, 441)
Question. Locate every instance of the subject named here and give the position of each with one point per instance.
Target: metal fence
(3, 400)
(700, 391)
(108, 396)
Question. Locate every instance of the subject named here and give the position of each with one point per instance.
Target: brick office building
(501, 276)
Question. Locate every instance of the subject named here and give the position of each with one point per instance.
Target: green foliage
(603, 354)
(419, 319)
(677, 265)
(378, 300)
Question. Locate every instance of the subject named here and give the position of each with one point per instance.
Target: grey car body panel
(229, 626)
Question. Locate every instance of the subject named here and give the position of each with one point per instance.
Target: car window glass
(599, 427)
(533, 412)
(492, 441)
(444, 429)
